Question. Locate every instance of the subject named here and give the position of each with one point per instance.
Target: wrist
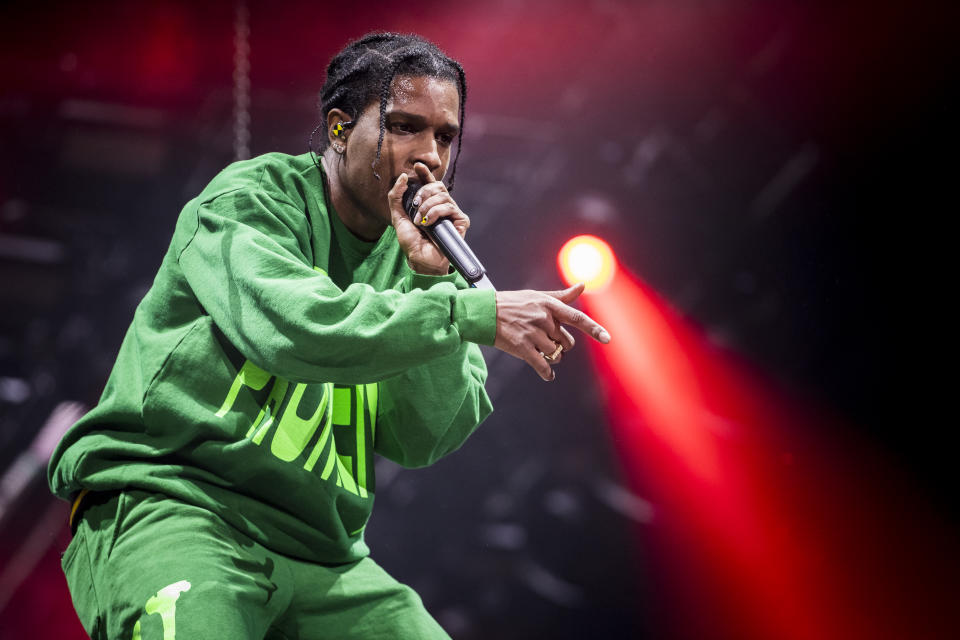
(429, 270)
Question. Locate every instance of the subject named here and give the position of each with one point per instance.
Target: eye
(446, 139)
(401, 127)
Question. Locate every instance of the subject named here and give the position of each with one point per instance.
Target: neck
(354, 216)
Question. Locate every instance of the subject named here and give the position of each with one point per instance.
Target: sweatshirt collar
(345, 238)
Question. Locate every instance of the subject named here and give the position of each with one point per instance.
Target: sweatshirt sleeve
(429, 411)
(246, 257)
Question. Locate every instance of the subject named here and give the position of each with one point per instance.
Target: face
(422, 121)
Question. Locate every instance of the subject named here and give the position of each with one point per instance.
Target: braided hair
(364, 71)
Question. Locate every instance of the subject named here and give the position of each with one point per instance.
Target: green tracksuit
(274, 354)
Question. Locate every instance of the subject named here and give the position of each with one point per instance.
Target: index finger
(426, 176)
(576, 318)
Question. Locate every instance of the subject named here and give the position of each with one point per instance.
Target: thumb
(569, 294)
(395, 197)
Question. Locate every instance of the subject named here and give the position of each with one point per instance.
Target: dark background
(773, 169)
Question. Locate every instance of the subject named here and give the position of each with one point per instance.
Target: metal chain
(241, 82)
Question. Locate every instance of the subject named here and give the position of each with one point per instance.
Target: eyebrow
(419, 120)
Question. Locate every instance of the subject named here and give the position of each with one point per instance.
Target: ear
(338, 133)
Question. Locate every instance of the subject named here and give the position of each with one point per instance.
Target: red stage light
(763, 530)
(589, 260)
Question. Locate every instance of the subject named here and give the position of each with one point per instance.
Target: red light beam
(766, 522)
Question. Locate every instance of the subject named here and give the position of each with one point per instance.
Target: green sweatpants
(143, 566)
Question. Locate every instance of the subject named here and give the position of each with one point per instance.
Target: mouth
(396, 176)
(411, 178)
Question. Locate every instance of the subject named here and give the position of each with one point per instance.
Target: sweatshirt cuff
(475, 315)
(416, 280)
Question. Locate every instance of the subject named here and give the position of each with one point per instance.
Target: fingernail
(423, 220)
(416, 201)
(604, 337)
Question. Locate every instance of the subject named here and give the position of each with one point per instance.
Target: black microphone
(444, 235)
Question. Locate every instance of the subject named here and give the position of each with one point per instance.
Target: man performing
(299, 323)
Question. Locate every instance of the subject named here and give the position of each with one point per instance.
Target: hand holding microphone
(414, 212)
(446, 238)
(529, 323)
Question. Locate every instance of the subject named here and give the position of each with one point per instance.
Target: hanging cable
(241, 82)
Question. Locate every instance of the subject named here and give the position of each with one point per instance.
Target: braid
(398, 59)
(462, 79)
(365, 69)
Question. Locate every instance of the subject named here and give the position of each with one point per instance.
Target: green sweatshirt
(273, 355)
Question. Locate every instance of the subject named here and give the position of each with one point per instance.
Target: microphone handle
(445, 236)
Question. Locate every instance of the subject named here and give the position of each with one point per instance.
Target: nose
(429, 154)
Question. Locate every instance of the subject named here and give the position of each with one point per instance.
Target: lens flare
(587, 259)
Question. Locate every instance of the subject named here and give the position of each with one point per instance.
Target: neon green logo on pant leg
(164, 603)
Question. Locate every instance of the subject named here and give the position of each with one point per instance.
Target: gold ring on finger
(556, 352)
